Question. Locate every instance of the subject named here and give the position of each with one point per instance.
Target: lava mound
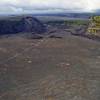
(22, 24)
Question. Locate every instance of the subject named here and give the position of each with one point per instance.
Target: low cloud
(35, 6)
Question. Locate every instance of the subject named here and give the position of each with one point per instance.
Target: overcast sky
(33, 6)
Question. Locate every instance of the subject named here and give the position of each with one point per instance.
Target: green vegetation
(69, 22)
(77, 22)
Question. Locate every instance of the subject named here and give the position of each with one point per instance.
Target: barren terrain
(49, 69)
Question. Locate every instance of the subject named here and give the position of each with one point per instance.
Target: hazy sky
(24, 6)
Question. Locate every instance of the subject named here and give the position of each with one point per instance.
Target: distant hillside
(70, 15)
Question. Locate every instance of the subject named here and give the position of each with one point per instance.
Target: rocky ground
(49, 69)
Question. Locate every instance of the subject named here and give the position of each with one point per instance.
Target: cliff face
(25, 24)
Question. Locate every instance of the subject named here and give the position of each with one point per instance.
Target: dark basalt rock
(25, 24)
(55, 36)
(34, 36)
